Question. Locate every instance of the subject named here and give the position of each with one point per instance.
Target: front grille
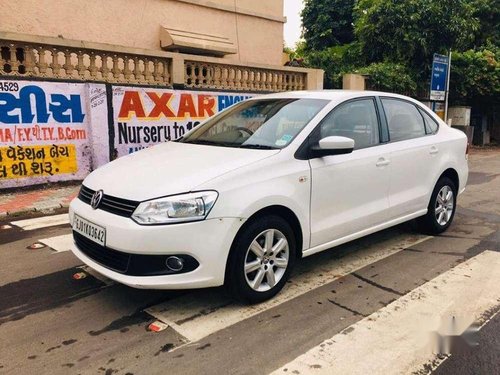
(114, 205)
(130, 264)
(116, 260)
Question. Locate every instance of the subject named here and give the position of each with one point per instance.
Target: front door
(350, 192)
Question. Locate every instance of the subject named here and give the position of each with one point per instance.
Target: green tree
(335, 61)
(390, 77)
(411, 31)
(488, 13)
(327, 23)
(394, 40)
(475, 77)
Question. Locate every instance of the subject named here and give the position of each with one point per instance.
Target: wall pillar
(178, 70)
(353, 82)
(315, 79)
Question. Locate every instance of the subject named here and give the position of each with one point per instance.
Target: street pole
(447, 88)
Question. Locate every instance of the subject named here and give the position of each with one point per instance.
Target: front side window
(404, 120)
(260, 124)
(356, 120)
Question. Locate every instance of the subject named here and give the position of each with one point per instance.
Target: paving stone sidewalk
(45, 199)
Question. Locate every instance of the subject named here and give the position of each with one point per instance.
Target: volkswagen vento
(243, 196)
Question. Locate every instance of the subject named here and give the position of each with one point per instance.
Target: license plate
(90, 230)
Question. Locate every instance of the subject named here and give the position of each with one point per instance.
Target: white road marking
(397, 338)
(42, 222)
(201, 313)
(59, 243)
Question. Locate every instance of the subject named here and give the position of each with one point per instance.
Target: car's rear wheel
(441, 209)
(261, 259)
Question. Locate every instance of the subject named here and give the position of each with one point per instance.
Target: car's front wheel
(441, 209)
(261, 259)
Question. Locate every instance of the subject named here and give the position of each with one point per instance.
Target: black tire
(236, 279)
(429, 223)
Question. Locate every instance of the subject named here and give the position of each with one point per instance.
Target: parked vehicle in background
(240, 198)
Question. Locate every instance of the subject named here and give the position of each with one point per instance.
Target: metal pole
(447, 88)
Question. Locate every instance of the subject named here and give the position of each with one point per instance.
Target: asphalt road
(352, 308)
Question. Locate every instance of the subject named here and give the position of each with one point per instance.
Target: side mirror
(333, 145)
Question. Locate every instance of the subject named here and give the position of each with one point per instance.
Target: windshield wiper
(259, 147)
(211, 143)
(200, 142)
(229, 144)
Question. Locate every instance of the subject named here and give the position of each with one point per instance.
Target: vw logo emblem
(96, 199)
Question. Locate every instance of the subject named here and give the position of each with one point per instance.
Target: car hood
(169, 168)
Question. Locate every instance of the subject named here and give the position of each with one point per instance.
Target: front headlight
(176, 209)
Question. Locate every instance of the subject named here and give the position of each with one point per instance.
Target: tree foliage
(411, 31)
(335, 61)
(475, 77)
(327, 23)
(393, 41)
(388, 76)
(488, 14)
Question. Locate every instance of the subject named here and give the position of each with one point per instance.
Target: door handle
(434, 150)
(382, 162)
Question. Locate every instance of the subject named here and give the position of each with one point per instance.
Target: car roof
(333, 95)
(338, 96)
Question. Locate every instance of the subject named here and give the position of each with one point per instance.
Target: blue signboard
(439, 77)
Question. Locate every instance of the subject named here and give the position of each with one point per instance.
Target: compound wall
(61, 131)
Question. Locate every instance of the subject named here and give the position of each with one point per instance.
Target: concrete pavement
(37, 200)
(51, 322)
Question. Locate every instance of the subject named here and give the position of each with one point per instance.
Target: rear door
(349, 192)
(414, 151)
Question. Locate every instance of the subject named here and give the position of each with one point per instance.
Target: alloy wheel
(266, 260)
(444, 205)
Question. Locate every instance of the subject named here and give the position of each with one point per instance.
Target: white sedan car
(244, 195)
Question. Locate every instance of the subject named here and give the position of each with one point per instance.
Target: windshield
(260, 124)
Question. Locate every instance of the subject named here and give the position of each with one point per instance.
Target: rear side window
(431, 126)
(404, 120)
(356, 119)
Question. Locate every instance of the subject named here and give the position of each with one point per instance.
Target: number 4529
(9, 86)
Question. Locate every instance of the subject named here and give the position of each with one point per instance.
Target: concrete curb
(46, 209)
(50, 202)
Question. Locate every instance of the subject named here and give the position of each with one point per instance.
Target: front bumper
(208, 241)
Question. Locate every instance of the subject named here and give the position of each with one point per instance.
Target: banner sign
(147, 116)
(439, 76)
(59, 131)
(43, 132)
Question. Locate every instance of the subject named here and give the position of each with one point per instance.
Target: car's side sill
(340, 241)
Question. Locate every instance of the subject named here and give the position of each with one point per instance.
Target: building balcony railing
(55, 58)
(75, 63)
(229, 77)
